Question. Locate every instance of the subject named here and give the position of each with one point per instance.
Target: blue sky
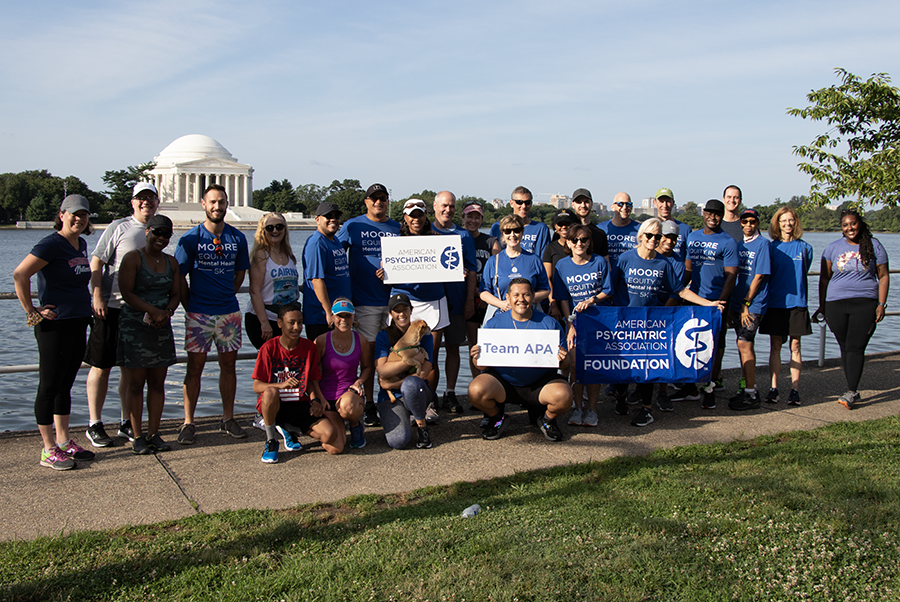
(475, 97)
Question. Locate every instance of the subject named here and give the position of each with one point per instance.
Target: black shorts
(455, 333)
(101, 344)
(480, 312)
(529, 395)
(792, 322)
(297, 414)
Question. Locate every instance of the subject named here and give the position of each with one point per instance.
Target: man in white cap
(120, 237)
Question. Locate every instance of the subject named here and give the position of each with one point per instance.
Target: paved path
(218, 473)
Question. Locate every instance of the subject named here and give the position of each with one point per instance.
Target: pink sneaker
(56, 459)
(73, 450)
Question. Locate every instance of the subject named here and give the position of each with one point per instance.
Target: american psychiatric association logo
(694, 344)
(450, 258)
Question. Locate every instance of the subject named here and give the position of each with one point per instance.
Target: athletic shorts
(529, 395)
(480, 311)
(791, 322)
(455, 333)
(372, 320)
(435, 313)
(201, 331)
(295, 414)
(101, 344)
(746, 334)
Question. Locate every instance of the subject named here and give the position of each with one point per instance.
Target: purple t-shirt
(850, 279)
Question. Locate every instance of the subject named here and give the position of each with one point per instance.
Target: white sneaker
(575, 420)
(590, 418)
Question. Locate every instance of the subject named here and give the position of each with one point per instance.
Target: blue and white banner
(646, 344)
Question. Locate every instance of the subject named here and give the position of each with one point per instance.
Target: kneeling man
(540, 390)
(286, 377)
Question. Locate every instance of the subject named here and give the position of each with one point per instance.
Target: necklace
(341, 347)
(527, 324)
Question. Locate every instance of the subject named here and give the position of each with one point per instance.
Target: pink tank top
(339, 370)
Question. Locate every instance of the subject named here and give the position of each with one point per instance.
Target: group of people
(520, 276)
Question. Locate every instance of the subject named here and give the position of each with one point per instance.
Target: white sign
(518, 348)
(418, 259)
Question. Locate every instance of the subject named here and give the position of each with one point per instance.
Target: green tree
(859, 156)
(690, 216)
(18, 190)
(349, 196)
(310, 196)
(278, 196)
(120, 183)
(39, 210)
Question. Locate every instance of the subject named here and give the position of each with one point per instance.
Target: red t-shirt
(275, 364)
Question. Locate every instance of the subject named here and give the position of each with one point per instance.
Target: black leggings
(254, 330)
(852, 321)
(645, 389)
(61, 345)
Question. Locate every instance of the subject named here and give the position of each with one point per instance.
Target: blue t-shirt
(326, 260)
(522, 377)
(383, 349)
(710, 254)
(620, 239)
(755, 259)
(525, 265)
(534, 240)
(680, 248)
(678, 265)
(851, 279)
(63, 282)
(362, 238)
(788, 286)
(211, 266)
(456, 291)
(643, 280)
(576, 283)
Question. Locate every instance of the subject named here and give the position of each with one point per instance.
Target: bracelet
(33, 318)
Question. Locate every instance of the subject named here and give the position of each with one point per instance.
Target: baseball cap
(664, 192)
(75, 202)
(669, 228)
(376, 189)
(413, 205)
(582, 192)
(564, 216)
(715, 206)
(142, 186)
(159, 221)
(326, 208)
(750, 213)
(398, 299)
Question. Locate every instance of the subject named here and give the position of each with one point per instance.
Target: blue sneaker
(290, 442)
(270, 453)
(358, 436)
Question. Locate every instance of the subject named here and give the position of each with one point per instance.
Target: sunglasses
(580, 240)
(513, 230)
(749, 220)
(656, 237)
(629, 205)
(274, 227)
(220, 250)
(161, 232)
(526, 203)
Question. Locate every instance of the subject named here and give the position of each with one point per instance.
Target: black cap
(398, 299)
(582, 192)
(564, 216)
(715, 206)
(376, 189)
(326, 208)
(159, 221)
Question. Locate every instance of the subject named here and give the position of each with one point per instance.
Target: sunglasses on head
(526, 203)
(274, 227)
(656, 237)
(580, 240)
(161, 232)
(518, 230)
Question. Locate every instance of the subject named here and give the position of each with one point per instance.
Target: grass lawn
(800, 516)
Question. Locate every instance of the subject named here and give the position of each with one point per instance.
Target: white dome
(191, 148)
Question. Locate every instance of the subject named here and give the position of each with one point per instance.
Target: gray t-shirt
(120, 237)
(733, 229)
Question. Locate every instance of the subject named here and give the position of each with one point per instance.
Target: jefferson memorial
(191, 163)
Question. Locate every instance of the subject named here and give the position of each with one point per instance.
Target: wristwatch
(884, 305)
(748, 302)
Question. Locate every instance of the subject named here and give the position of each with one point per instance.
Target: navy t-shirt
(63, 282)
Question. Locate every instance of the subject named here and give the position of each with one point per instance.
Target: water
(17, 390)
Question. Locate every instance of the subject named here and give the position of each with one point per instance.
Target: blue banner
(646, 344)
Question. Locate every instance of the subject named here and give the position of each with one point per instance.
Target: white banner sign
(418, 259)
(518, 348)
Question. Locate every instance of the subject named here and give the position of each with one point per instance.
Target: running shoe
(642, 418)
(685, 393)
(772, 396)
(621, 406)
(793, 398)
(744, 401)
(75, 451)
(232, 428)
(431, 415)
(270, 452)
(590, 418)
(290, 441)
(371, 414)
(451, 404)
(56, 459)
(718, 384)
(259, 422)
(663, 403)
(423, 440)
(709, 401)
(125, 430)
(848, 399)
(576, 418)
(157, 444)
(634, 398)
(550, 429)
(140, 446)
(186, 434)
(494, 428)
(97, 436)
(358, 436)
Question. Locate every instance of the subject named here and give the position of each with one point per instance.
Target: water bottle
(471, 511)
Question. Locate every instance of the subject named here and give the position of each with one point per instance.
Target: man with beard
(215, 256)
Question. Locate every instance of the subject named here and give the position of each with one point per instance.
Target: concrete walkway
(218, 473)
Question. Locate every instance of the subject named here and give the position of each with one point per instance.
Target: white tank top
(279, 287)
